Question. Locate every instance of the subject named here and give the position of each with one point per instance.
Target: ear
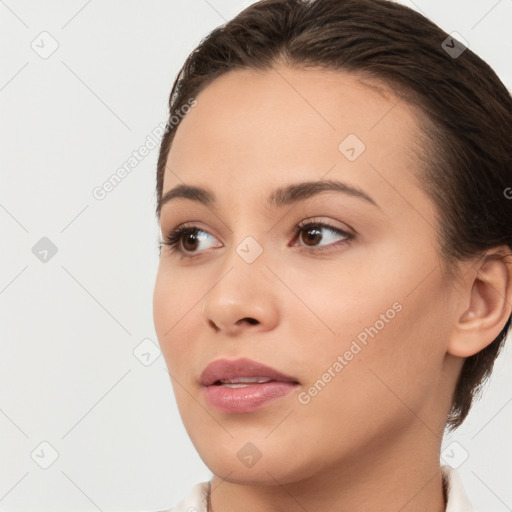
(488, 291)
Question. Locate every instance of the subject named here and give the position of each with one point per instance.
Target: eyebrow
(280, 197)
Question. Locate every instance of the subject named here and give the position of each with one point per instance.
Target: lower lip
(247, 398)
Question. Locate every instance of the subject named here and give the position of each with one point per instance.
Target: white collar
(457, 501)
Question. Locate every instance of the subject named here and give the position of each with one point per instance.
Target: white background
(68, 329)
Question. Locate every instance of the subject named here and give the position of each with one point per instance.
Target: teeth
(234, 385)
(243, 381)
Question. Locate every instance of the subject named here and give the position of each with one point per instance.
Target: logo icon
(249, 249)
(44, 250)
(45, 45)
(454, 455)
(351, 147)
(146, 352)
(454, 45)
(44, 455)
(249, 455)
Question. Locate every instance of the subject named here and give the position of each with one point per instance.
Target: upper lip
(231, 369)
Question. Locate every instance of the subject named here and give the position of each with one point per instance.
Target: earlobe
(490, 305)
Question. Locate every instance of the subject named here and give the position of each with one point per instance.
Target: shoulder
(194, 500)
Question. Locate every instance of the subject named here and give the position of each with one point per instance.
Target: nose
(243, 299)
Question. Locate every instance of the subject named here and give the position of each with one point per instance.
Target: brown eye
(190, 240)
(312, 236)
(187, 240)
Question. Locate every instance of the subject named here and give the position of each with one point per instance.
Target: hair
(465, 160)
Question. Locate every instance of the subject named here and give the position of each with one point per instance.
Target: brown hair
(466, 164)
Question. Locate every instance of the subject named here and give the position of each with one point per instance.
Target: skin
(370, 439)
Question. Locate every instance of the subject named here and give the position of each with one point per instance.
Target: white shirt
(457, 501)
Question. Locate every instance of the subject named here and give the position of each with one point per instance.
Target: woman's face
(358, 318)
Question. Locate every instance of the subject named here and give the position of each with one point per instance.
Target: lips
(243, 386)
(241, 372)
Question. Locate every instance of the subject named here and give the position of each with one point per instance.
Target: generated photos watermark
(152, 141)
(356, 347)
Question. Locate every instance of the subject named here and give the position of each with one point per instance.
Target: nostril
(213, 324)
(252, 321)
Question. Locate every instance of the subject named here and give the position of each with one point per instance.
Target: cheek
(175, 294)
(175, 304)
(378, 388)
(383, 333)
(164, 305)
(392, 347)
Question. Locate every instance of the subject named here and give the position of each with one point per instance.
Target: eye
(187, 239)
(311, 233)
(190, 241)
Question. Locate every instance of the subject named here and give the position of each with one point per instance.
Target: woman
(335, 276)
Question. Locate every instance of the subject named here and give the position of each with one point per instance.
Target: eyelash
(172, 240)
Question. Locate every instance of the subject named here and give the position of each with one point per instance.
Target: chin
(262, 462)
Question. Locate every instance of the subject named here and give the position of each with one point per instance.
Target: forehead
(252, 129)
